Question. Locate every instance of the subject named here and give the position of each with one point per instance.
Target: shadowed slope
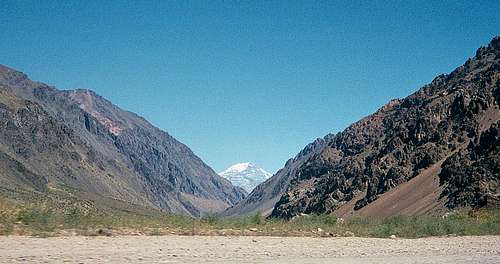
(97, 147)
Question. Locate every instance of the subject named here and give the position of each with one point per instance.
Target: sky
(244, 81)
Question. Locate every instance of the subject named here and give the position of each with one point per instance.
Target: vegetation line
(47, 221)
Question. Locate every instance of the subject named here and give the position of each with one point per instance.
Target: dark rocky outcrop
(471, 176)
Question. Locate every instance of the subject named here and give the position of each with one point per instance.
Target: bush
(41, 220)
(257, 219)
(210, 219)
(73, 218)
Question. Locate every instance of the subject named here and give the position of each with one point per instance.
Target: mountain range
(245, 175)
(77, 143)
(435, 150)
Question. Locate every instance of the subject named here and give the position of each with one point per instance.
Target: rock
(253, 229)
(393, 236)
(104, 232)
(446, 215)
(471, 174)
(348, 234)
(320, 230)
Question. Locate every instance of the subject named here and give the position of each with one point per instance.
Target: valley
(250, 132)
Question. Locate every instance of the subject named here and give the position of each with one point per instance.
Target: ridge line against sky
(244, 81)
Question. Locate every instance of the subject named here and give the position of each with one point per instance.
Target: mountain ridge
(140, 162)
(354, 171)
(401, 140)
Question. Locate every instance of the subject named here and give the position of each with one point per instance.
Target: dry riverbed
(227, 249)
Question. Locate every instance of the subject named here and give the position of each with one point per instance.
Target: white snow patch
(245, 175)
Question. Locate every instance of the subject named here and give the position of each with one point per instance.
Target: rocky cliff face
(453, 121)
(471, 176)
(80, 140)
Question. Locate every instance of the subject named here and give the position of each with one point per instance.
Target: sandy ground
(220, 249)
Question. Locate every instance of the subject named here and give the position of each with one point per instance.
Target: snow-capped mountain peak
(245, 175)
(238, 167)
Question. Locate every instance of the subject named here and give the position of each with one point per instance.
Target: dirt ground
(220, 249)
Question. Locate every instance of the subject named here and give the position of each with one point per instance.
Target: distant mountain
(77, 140)
(433, 151)
(245, 175)
(263, 197)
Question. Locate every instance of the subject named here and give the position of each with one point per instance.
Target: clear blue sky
(244, 80)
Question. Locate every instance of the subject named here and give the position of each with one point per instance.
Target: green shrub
(73, 218)
(210, 219)
(38, 219)
(257, 219)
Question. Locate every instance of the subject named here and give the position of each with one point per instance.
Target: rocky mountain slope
(245, 175)
(431, 151)
(263, 197)
(77, 139)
